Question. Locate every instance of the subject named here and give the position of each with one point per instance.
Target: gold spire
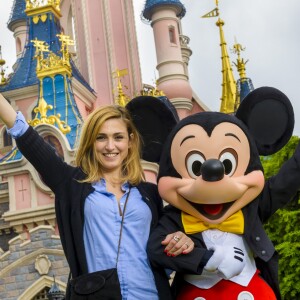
(2, 73)
(121, 98)
(228, 81)
(240, 63)
(241, 67)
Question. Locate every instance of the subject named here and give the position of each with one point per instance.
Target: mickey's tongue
(213, 209)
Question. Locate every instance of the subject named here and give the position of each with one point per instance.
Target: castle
(73, 56)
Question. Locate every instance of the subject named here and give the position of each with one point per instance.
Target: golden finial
(149, 90)
(240, 63)
(2, 73)
(40, 48)
(121, 98)
(65, 43)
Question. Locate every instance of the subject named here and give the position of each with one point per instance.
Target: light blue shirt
(101, 235)
(20, 126)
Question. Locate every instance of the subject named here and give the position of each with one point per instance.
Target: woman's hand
(177, 243)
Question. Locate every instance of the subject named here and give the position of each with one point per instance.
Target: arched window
(54, 142)
(18, 45)
(42, 294)
(7, 140)
(172, 34)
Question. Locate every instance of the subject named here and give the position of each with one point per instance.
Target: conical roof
(150, 5)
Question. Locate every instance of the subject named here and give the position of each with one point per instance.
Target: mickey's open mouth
(212, 211)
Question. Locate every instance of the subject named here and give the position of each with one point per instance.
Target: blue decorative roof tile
(17, 13)
(152, 4)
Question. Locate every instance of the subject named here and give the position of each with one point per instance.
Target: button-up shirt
(101, 236)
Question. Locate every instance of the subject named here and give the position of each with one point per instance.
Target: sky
(268, 29)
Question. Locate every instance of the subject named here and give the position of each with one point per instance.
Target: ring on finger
(187, 245)
(176, 238)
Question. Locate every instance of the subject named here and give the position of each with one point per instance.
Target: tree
(284, 228)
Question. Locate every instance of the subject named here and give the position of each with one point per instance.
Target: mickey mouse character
(210, 172)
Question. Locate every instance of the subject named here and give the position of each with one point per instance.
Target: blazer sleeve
(192, 263)
(42, 156)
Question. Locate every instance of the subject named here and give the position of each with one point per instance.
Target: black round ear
(154, 118)
(269, 116)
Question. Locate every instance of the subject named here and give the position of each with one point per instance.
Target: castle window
(42, 294)
(7, 140)
(172, 34)
(54, 142)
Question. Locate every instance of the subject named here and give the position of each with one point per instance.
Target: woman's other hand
(177, 243)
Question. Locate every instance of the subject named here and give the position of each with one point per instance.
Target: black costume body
(70, 196)
(277, 192)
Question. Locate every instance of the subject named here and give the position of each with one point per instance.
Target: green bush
(284, 228)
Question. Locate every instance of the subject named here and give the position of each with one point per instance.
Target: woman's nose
(110, 144)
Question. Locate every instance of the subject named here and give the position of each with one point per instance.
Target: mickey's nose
(212, 170)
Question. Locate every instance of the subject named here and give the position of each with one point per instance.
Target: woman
(90, 197)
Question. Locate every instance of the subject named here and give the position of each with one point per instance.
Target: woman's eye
(100, 138)
(230, 163)
(119, 137)
(193, 164)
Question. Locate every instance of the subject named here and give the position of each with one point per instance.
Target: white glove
(228, 260)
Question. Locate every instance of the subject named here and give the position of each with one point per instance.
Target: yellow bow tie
(234, 224)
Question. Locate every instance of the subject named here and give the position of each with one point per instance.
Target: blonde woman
(90, 198)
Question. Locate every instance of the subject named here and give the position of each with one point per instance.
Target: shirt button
(257, 238)
(263, 252)
(245, 296)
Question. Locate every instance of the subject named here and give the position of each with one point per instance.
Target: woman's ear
(269, 116)
(131, 135)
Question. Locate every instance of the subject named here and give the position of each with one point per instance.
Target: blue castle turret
(37, 66)
(151, 5)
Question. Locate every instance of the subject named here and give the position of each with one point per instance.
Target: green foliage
(284, 228)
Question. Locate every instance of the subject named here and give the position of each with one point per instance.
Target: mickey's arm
(282, 187)
(192, 263)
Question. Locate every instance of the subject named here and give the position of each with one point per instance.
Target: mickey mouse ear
(154, 118)
(269, 115)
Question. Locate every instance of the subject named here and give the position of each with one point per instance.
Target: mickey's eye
(194, 162)
(229, 161)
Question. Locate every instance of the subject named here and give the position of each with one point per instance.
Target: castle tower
(105, 42)
(173, 76)
(18, 25)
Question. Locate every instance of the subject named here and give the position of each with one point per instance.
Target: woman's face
(112, 145)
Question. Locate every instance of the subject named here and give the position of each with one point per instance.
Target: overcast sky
(268, 29)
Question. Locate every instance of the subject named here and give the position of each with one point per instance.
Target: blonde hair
(86, 156)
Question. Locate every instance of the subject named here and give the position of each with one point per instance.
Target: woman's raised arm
(7, 113)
